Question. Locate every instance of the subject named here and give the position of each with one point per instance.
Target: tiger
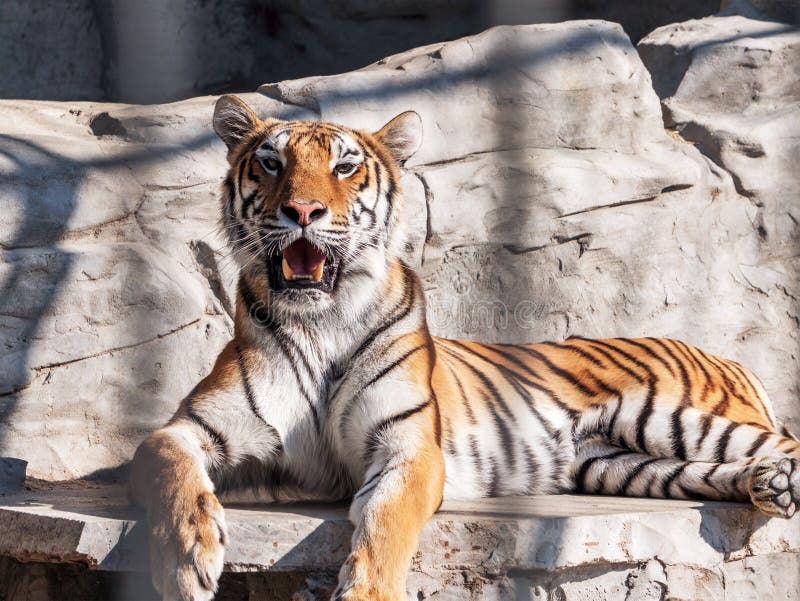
(333, 387)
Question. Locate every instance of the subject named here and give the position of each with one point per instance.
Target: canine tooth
(288, 274)
(317, 274)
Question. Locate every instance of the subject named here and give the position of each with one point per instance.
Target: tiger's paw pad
(775, 487)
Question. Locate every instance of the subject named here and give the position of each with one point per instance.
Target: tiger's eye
(271, 164)
(344, 168)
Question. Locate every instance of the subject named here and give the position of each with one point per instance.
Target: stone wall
(548, 200)
(149, 51)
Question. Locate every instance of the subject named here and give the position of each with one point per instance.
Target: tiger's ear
(233, 120)
(402, 136)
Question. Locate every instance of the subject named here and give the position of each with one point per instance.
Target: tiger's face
(315, 205)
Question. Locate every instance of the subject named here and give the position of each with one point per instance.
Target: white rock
(729, 85)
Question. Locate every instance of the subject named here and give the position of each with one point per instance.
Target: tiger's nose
(303, 213)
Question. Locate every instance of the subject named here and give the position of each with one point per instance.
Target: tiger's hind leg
(771, 483)
(665, 429)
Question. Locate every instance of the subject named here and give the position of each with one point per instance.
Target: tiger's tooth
(317, 274)
(288, 274)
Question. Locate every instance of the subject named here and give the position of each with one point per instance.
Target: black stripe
(449, 443)
(758, 443)
(509, 376)
(726, 372)
(580, 476)
(248, 390)
(251, 399)
(217, 438)
(372, 437)
(649, 404)
(247, 203)
(390, 193)
(363, 185)
(437, 418)
(626, 355)
(722, 369)
(750, 385)
(487, 383)
(562, 373)
(474, 450)
(650, 352)
(496, 401)
(533, 468)
(464, 401)
(687, 384)
(586, 355)
(240, 176)
(685, 359)
(689, 494)
(723, 405)
(559, 457)
(667, 350)
(665, 486)
(710, 473)
(706, 421)
(373, 481)
(396, 363)
(228, 186)
(508, 440)
(623, 489)
(260, 314)
(279, 338)
(686, 351)
(344, 418)
(399, 312)
(603, 386)
(377, 184)
(494, 483)
(613, 421)
(693, 352)
(613, 360)
(506, 355)
(678, 443)
(297, 352)
(723, 441)
(741, 378)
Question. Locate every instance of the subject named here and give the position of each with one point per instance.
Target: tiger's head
(314, 206)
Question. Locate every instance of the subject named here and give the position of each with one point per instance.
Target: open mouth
(303, 265)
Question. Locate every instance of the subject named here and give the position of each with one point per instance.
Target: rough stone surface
(555, 548)
(748, 123)
(547, 200)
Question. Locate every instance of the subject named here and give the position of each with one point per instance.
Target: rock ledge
(526, 547)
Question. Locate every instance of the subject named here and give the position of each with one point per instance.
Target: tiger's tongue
(303, 260)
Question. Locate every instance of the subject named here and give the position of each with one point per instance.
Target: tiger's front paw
(361, 593)
(187, 543)
(775, 487)
(357, 582)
